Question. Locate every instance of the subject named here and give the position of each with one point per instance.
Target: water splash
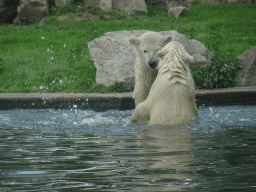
(210, 110)
(213, 118)
(66, 120)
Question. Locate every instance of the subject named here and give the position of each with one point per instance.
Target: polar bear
(145, 68)
(171, 100)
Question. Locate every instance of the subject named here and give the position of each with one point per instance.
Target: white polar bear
(145, 68)
(171, 100)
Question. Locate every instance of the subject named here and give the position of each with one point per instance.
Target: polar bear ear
(135, 42)
(160, 53)
(167, 39)
(190, 58)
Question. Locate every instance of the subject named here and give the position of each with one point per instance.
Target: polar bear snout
(152, 64)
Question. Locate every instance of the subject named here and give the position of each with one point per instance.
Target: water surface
(82, 150)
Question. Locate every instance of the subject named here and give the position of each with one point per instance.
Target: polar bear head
(174, 62)
(174, 56)
(147, 45)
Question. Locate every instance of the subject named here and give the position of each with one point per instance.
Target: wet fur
(145, 75)
(171, 100)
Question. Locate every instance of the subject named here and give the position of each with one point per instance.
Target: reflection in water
(167, 152)
(61, 150)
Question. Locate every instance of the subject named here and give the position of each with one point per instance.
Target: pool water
(83, 150)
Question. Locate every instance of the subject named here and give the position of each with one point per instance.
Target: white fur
(146, 47)
(171, 100)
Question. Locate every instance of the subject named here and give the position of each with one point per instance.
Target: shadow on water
(78, 150)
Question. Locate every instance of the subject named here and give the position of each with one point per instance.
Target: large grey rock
(114, 57)
(240, 1)
(8, 10)
(200, 53)
(224, 1)
(131, 6)
(162, 4)
(247, 76)
(105, 5)
(30, 11)
(62, 2)
(158, 4)
(128, 6)
(174, 8)
(178, 7)
(212, 1)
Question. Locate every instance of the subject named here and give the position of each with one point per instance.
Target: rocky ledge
(118, 101)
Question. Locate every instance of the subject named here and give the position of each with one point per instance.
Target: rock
(225, 1)
(211, 1)
(177, 11)
(247, 76)
(8, 10)
(62, 2)
(158, 4)
(174, 8)
(30, 11)
(178, 7)
(131, 6)
(114, 57)
(239, 1)
(128, 6)
(201, 54)
(105, 5)
(162, 4)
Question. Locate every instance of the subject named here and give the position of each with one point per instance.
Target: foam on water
(78, 150)
(64, 120)
(213, 118)
(219, 117)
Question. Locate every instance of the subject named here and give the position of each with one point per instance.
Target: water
(78, 150)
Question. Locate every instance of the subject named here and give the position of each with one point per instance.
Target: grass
(52, 55)
(221, 73)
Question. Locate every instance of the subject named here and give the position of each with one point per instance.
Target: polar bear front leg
(141, 112)
(140, 94)
(143, 83)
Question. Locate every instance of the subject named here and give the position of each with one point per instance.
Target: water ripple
(44, 150)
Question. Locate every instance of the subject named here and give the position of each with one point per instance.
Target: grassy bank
(52, 55)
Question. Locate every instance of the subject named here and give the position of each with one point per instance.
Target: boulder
(105, 5)
(30, 11)
(131, 6)
(8, 10)
(212, 1)
(158, 4)
(201, 54)
(177, 7)
(224, 1)
(247, 75)
(128, 6)
(62, 2)
(162, 4)
(240, 1)
(114, 57)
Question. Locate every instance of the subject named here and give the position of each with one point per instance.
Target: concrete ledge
(94, 101)
(119, 101)
(227, 96)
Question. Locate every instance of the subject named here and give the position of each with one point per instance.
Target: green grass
(221, 73)
(52, 55)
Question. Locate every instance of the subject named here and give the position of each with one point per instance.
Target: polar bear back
(171, 99)
(175, 106)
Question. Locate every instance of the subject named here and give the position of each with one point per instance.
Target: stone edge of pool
(119, 101)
